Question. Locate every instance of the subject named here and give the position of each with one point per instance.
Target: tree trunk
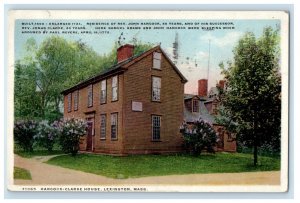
(43, 106)
(255, 152)
(57, 101)
(255, 143)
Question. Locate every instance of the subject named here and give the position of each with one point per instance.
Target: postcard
(148, 101)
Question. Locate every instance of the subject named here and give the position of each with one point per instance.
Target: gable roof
(122, 67)
(191, 96)
(202, 114)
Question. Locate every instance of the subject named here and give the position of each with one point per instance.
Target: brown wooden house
(134, 107)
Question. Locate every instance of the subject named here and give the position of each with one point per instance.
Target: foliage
(47, 134)
(27, 101)
(201, 136)
(71, 130)
(140, 47)
(52, 66)
(252, 100)
(42, 134)
(24, 132)
(38, 152)
(21, 173)
(154, 165)
(264, 150)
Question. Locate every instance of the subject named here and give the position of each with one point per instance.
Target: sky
(200, 51)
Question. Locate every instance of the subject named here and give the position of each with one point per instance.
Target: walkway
(45, 174)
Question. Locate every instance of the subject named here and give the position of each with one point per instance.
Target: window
(90, 95)
(195, 106)
(214, 108)
(103, 126)
(69, 102)
(114, 88)
(188, 104)
(156, 128)
(156, 85)
(156, 60)
(114, 126)
(76, 98)
(103, 92)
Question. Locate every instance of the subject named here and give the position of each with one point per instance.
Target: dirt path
(45, 174)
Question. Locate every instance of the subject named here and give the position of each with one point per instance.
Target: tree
(53, 66)
(26, 102)
(252, 100)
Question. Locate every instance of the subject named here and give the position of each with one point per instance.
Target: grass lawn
(21, 173)
(37, 153)
(157, 165)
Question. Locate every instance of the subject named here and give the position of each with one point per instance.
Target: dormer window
(156, 60)
(195, 105)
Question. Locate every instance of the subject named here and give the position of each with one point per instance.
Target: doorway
(90, 133)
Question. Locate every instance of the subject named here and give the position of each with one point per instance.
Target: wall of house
(228, 143)
(99, 145)
(137, 125)
(208, 106)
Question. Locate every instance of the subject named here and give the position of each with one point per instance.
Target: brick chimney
(202, 87)
(124, 52)
(222, 84)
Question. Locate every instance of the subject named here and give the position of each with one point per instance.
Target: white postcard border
(84, 14)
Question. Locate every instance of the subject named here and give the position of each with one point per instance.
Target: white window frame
(90, 95)
(157, 60)
(102, 127)
(69, 98)
(114, 122)
(156, 89)
(76, 100)
(103, 92)
(195, 110)
(114, 86)
(156, 124)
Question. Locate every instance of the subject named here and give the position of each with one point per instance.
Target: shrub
(46, 135)
(198, 137)
(71, 130)
(264, 149)
(24, 132)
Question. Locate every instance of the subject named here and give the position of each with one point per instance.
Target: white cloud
(193, 74)
(194, 67)
(202, 55)
(229, 39)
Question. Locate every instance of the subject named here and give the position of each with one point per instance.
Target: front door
(89, 138)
